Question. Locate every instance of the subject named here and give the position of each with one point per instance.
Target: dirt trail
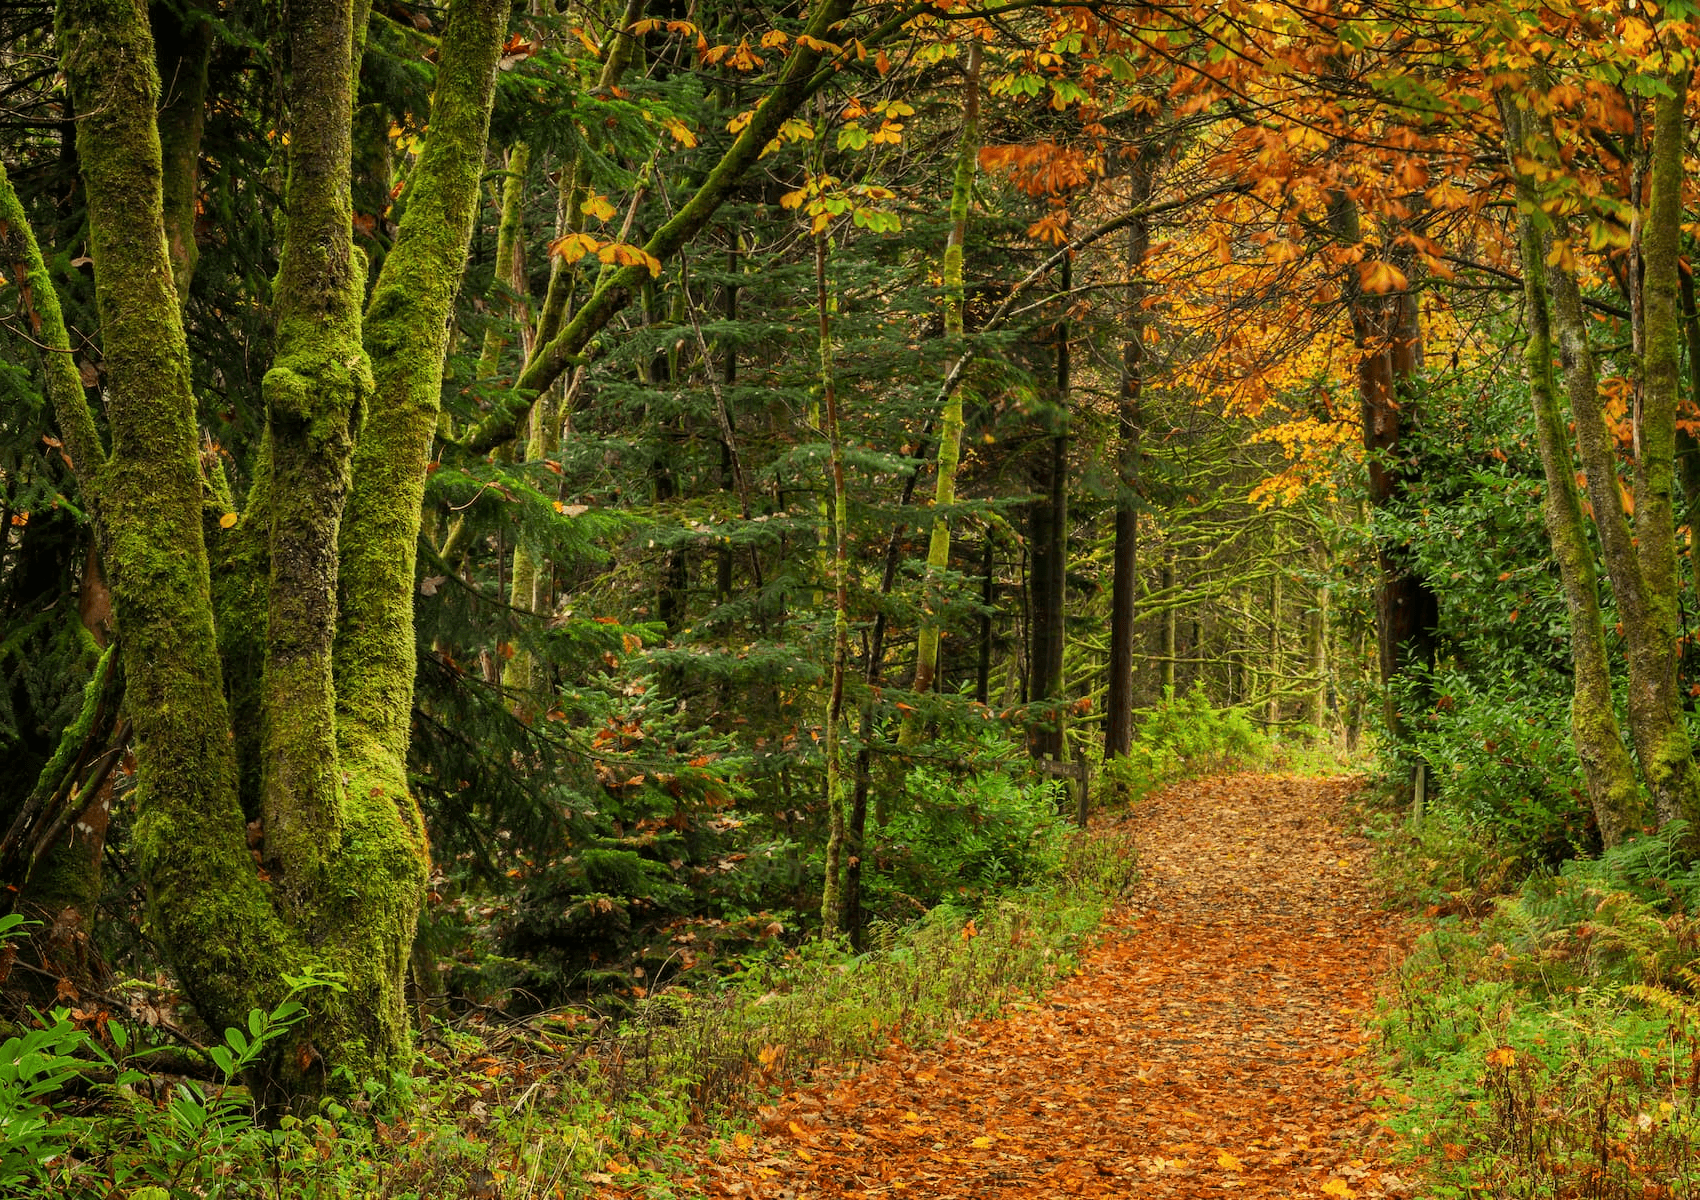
(1211, 1043)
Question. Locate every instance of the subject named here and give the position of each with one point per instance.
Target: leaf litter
(1212, 1041)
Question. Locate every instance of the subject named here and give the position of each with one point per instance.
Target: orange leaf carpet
(1212, 1042)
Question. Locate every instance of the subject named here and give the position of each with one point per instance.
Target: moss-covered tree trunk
(213, 916)
(1661, 732)
(344, 848)
(1640, 558)
(1618, 805)
(832, 906)
(950, 420)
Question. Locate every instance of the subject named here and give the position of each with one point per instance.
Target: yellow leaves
(889, 133)
(227, 520)
(614, 254)
(768, 1055)
(1503, 1056)
(1607, 235)
(1447, 195)
(1220, 245)
(1338, 1187)
(1378, 277)
(739, 57)
(623, 255)
(597, 206)
(1228, 1162)
(1052, 229)
(573, 247)
(742, 1142)
(740, 122)
(1042, 168)
(652, 24)
(773, 39)
(982, 1143)
(679, 132)
(584, 40)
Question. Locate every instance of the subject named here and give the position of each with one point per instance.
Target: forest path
(1212, 1041)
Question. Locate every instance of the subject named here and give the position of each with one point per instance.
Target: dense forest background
(510, 505)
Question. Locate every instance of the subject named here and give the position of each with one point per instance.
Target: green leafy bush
(962, 839)
(1552, 1047)
(1185, 735)
(1500, 753)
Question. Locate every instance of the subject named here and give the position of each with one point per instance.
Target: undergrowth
(542, 1107)
(630, 1086)
(1184, 736)
(1547, 1039)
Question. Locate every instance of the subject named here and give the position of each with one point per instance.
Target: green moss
(406, 337)
(1618, 805)
(209, 911)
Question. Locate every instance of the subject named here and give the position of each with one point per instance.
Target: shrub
(1182, 736)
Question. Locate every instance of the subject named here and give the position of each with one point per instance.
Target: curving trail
(1210, 1044)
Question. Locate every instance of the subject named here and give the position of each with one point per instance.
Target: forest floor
(1212, 1040)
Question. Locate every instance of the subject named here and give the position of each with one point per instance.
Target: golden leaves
(1377, 277)
(597, 206)
(575, 246)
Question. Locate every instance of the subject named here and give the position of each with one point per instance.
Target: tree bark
(1619, 808)
(1386, 334)
(1124, 585)
(950, 420)
(832, 891)
(345, 844)
(1640, 560)
(1048, 535)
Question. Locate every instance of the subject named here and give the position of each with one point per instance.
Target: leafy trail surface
(1210, 1043)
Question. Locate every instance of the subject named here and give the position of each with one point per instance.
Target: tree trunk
(1048, 536)
(1618, 806)
(1124, 586)
(832, 891)
(1277, 651)
(1386, 333)
(950, 420)
(343, 843)
(1667, 757)
(1171, 623)
(1640, 560)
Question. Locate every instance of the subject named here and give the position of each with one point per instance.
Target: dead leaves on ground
(1212, 1043)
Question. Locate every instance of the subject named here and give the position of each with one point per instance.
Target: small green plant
(1183, 736)
(962, 840)
(178, 1145)
(34, 1065)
